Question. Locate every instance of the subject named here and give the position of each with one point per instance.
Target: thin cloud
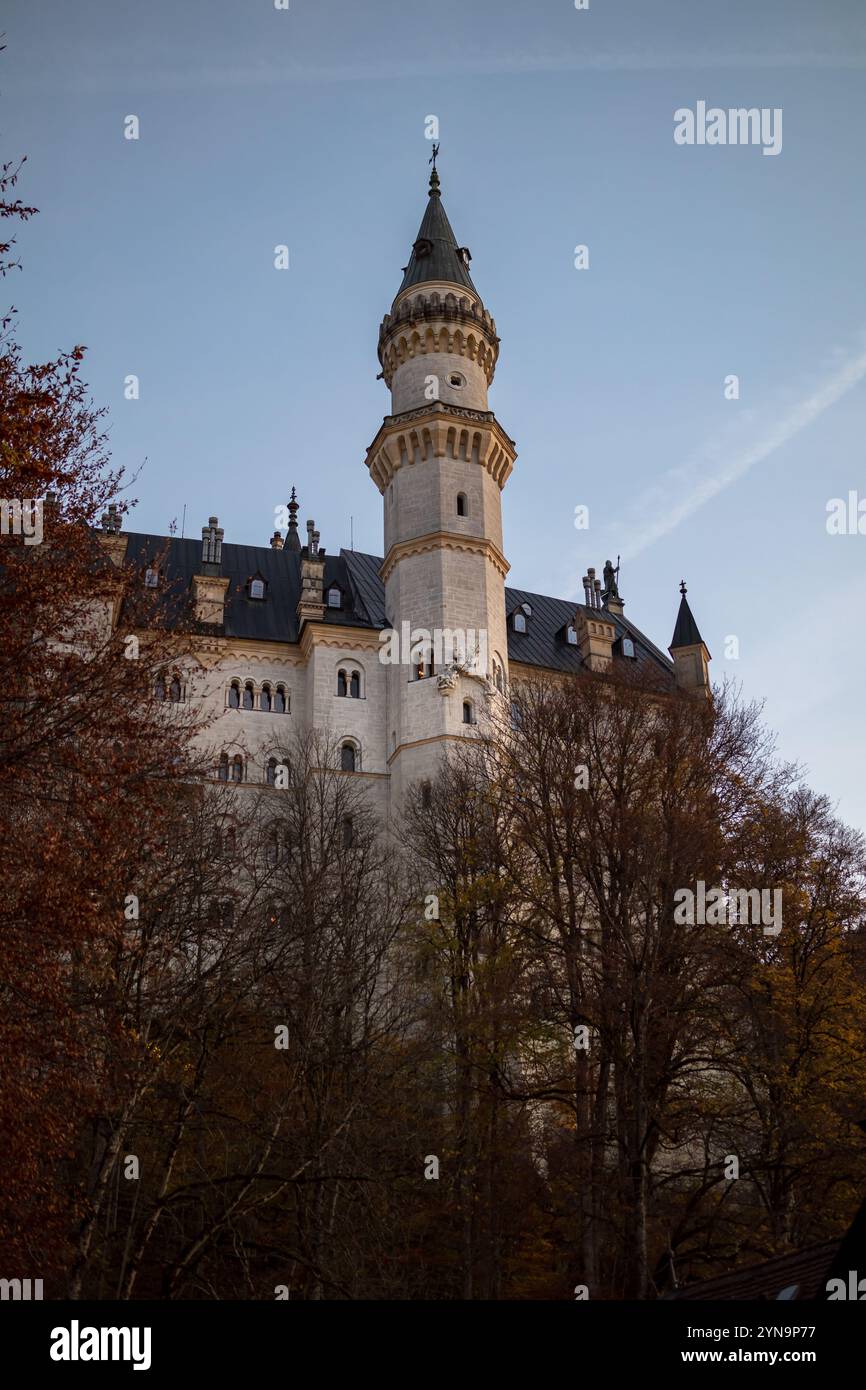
(156, 74)
(658, 516)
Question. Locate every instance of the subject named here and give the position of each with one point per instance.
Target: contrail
(639, 535)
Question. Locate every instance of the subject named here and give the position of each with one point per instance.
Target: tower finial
(683, 589)
(292, 540)
(434, 177)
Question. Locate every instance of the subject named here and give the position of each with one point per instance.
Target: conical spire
(686, 632)
(292, 538)
(435, 254)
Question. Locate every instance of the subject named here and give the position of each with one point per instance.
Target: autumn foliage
(254, 1047)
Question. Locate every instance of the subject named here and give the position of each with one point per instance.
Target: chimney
(209, 587)
(587, 590)
(590, 579)
(595, 638)
(276, 541)
(311, 604)
(212, 546)
(597, 592)
(112, 542)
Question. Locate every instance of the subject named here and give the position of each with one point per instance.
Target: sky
(306, 127)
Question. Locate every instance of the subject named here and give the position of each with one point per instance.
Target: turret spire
(435, 253)
(686, 632)
(292, 539)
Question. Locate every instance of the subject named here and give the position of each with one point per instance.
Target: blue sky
(306, 127)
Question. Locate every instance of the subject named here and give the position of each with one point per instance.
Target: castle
(290, 637)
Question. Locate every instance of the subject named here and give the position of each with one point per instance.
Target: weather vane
(432, 159)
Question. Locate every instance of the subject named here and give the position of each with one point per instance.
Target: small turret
(688, 649)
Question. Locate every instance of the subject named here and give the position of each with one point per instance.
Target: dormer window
(256, 588)
(627, 647)
(518, 621)
(571, 635)
(335, 597)
(151, 579)
(527, 608)
(423, 247)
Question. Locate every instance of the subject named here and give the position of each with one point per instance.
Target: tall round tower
(440, 461)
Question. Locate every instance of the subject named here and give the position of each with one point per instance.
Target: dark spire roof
(686, 631)
(435, 254)
(292, 539)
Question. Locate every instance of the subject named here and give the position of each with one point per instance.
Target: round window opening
(455, 379)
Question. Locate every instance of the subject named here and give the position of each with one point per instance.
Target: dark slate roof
(543, 643)
(806, 1270)
(275, 618)
(686, 631)
(442, 262)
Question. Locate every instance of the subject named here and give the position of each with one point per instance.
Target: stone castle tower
(440, 461)
(290, 637)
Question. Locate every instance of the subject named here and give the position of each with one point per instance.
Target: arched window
(257, 588)
(355, 686)
(249, 696)
(231, 843)
(271, 772)
(335, 598)
(223, 767)
(159, 687)
(497, 675)
(348, 832)
(151, 579)
(571, 636)
(174, 690)
(519, 622)
(237, 768)
(265, 702)
(426, 795)
(347, 758)
(281, 703)
(467, 711)
(462, 508)
(234, 695)
(341, 682)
